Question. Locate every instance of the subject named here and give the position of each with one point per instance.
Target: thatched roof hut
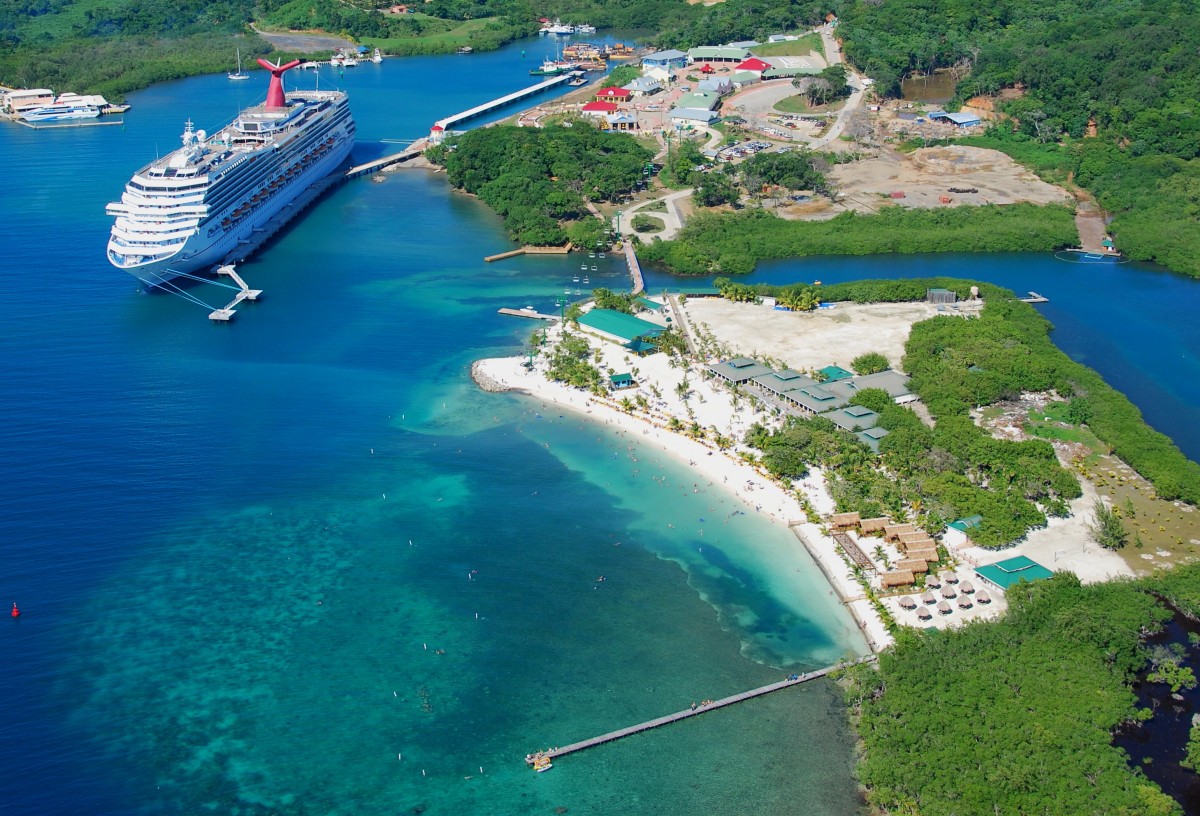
(928, 599)
(893, 531)
(925, 555)
(966, 587)
(915, 535)
(897, 578)
(944, 608)
(845, 521)
(948, 591)
(982, 597)
(916, 565)
(873, 525)
(964, 602)
(924, 614)
(907, 602)
(922, 543)
(931, 580)
(949, 577)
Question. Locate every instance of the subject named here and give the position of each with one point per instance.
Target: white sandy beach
(712, 407)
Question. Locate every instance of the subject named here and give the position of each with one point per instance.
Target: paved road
(672, 218)
(833, 55)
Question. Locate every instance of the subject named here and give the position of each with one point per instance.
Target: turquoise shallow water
(208, 527)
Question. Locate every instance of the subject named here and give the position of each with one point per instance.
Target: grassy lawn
(799, 104)
(808, 44)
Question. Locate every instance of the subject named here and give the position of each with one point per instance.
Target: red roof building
(611, 94)
(754, 65)
(707, 69)
(600, 107)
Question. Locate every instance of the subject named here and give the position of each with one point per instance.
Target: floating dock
(711, 705)
(530, 313)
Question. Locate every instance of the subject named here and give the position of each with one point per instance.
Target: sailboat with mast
(239, 74)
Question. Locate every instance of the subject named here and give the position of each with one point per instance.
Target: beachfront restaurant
(1004, 574)
(632, 332)
(739, 369)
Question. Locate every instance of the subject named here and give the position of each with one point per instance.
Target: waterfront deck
(450, 121)
(712, 705)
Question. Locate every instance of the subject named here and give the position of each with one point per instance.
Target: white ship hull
(217, 199)
(202, 252)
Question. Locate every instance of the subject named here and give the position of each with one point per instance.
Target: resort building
(701, 100)
(644, 86)
(852, 418)
(871, 438)
(780, 382)
(718, 85)
(741, 79)
(622, 120)
(612, 95)
(693, 116)
(17, 101)
(718, 53)
(599, 109)
(671, 60)
(754, 65)
(739, 369)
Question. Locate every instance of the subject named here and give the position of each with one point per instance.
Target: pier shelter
(618, 326)
(1004, 574)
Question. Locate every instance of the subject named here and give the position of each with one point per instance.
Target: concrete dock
(712, 705)
(450, 121)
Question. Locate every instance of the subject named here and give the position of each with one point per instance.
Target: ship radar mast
(275, 97)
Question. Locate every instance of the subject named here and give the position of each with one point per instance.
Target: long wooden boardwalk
(795, 680)
(450, 121)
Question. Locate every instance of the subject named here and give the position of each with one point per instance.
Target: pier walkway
(527, 313)
(450, 121)
(411, 152)
(1034, 297)
(795, 680)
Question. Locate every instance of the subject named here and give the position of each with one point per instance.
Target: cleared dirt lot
(924, 176)
(812, 340)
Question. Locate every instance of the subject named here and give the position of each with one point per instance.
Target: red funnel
(275, 97)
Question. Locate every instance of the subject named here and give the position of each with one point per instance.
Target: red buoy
(16, 613)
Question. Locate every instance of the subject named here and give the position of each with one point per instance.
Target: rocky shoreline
(484, 381)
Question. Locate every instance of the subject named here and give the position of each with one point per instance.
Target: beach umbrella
(944, 608)
(966, 587)
(949, 577)
(933, 581)
(907, 603)
(982, 597)
(924, 614)
(928, 599)
(964, 602)
(948, 592)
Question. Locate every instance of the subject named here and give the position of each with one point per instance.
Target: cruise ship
(219, 195)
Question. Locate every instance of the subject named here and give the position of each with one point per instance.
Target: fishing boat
(551, 67)
(376, 57)
(239, 74)
(349, 61)
(309, 66)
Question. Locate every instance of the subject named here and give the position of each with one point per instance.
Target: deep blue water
(240, 549)
(299, 564)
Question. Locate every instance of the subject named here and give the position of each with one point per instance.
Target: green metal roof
(725, 52)
(621, 379)
(619, 324)
(649, 304)
(1004, 574)
(964, 524)
(834, 373)
(641, 347)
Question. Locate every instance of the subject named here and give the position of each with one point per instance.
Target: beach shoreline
(743, 481)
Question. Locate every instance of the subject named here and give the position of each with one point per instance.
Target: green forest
(1016, 716)
(539, 179)
(735, 243)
